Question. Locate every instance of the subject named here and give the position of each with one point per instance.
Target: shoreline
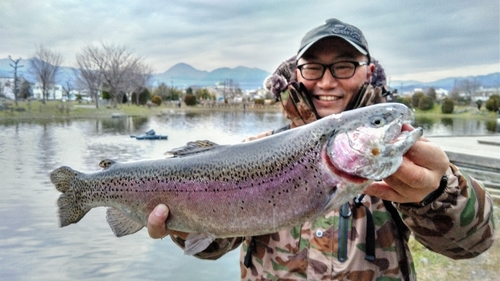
(70, 109)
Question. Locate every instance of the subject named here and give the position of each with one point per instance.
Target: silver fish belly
(249, 188)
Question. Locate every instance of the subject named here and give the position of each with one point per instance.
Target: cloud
(408, 37)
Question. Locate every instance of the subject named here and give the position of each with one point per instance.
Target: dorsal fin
(192, 147)
(106, 163)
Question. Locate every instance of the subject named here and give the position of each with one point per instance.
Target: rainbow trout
(246, 189)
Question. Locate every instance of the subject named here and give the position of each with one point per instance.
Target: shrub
(144, 97)
(259, 101)
(479, 103)
(156, 100)
(404, 100)
(493, 103)
(425, 103)
(190, 100)
(415, 99)
(106, 95)
(448, 106)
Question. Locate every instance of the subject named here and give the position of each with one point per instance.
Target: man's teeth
(327, 98)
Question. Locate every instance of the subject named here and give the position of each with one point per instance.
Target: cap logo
(346, 30)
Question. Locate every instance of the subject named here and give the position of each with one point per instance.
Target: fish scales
(250, 188)
(273, 180)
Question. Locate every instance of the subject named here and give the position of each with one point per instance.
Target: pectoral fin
(121, 224)
(197, 242)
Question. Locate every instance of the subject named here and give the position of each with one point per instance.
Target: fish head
(370, 144)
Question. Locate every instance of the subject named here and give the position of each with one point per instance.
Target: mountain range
(183, 75)
(491, 80)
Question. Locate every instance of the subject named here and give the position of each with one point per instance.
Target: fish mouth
(349, 177)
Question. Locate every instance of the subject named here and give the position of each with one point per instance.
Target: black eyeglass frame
(356, 64)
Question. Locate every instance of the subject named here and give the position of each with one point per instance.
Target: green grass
(459, 112)
(73, 109)
(432, 266)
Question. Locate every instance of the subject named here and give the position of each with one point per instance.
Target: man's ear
(370, 70)
(297, 72)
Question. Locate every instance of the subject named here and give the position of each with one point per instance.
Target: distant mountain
(183, 75)
(7, 71)
(487, 81)
(181, 71)
(65, 73)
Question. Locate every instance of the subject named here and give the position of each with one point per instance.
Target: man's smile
(327, 98)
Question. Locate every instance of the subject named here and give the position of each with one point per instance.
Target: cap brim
(306, 47)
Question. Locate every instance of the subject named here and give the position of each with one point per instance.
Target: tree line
(461, 94)
(106, 68)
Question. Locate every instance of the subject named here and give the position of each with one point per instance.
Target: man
(365, 239)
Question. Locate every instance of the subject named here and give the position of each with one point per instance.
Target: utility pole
(15, 66)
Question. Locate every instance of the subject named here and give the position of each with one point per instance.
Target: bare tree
(45, 65)
(67, 88)
(16, 80)
(89, 74)
(113, 64)
(469, 87)
(137, 80)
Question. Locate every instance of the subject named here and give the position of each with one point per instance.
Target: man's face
(329, 94)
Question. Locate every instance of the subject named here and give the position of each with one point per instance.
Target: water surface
(33, 247)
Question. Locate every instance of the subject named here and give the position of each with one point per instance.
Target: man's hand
(424, 164)
(156, 223)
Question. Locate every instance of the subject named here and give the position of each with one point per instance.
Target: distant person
(447, 211)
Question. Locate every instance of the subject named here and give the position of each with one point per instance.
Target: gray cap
(334, 27)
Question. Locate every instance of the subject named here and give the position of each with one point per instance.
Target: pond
(33, 247)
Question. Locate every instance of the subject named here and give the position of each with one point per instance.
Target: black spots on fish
(69, 210)
(106, 163)
(62, 178)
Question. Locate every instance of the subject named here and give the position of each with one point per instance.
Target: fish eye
(377, 121)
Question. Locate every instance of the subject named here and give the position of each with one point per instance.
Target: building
(7, 87)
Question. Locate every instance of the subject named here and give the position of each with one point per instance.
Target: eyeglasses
(340, 70)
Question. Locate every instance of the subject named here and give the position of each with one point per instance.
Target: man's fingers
(156, 222)
(428, 155)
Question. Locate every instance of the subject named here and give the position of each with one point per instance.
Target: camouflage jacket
(458, 224)
(366, 239)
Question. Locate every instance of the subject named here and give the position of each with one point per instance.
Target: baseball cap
(334, 27)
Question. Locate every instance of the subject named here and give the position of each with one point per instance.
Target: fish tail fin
(70, 210)
(62, 177)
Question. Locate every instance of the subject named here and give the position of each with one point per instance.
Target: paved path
(484, 146)
(479, 156)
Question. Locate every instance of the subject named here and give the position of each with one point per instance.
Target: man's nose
(328, 80)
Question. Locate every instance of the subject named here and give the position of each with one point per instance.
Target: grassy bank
(459, 112)
(72, 109)
(431, 266)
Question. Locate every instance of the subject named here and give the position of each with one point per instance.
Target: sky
(413, 40)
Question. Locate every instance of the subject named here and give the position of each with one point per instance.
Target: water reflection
(447, 126)
(447, 122)
(493, 126)
(33, 247)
